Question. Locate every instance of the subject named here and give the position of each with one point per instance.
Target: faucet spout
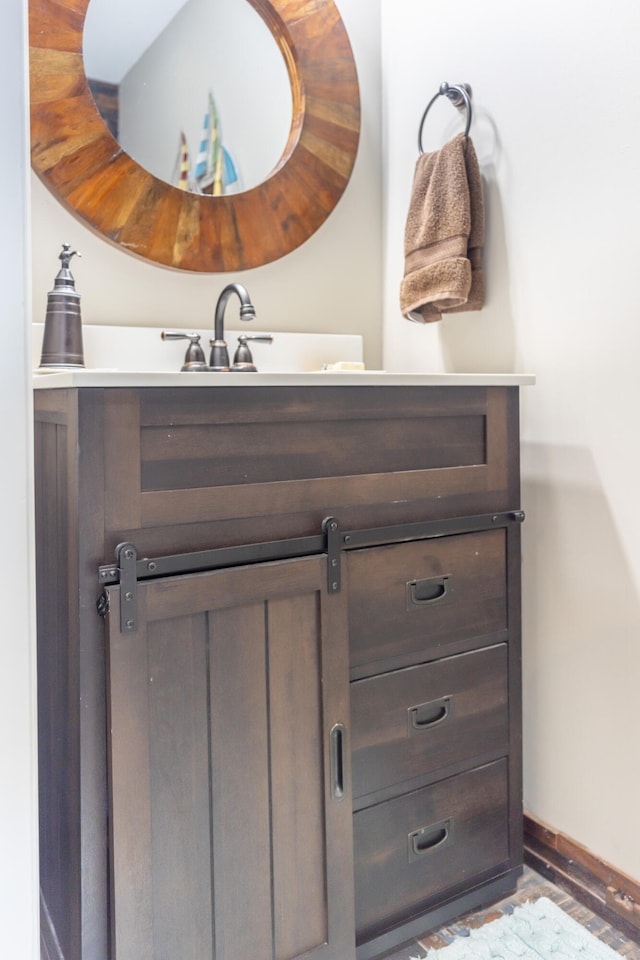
(219, 354)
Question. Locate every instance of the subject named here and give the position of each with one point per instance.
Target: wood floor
(530, 887)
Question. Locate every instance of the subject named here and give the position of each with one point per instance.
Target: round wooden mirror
(79, 160)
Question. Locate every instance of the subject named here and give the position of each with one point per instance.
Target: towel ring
(460, 96)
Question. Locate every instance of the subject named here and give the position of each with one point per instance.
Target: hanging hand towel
(444, 235)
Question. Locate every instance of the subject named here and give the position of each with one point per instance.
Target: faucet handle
(243, 361)
(261, 337)
(195, 360)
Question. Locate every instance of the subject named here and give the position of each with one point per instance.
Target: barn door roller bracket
(126, 556)
(124, 572)
(331, 528)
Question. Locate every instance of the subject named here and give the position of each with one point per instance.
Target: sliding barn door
(229, 800)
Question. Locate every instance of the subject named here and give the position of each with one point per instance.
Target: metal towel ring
(459, 94)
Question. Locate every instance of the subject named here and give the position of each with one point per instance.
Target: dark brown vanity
(301, 666)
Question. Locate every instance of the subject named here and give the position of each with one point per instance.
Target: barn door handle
(337, 753)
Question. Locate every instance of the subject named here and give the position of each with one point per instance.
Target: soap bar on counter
(344, 365)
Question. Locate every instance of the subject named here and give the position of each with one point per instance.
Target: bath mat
(534, 931)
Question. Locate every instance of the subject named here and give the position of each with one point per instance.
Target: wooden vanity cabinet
(304, 709)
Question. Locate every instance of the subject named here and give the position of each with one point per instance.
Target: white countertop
(132, 356)
(46, 380)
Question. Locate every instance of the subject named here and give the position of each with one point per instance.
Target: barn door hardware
(124, 572)
(334, 545)
(127, 569)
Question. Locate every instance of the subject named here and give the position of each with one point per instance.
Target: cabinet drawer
(415, 721)
(410, 850)
(268, 463)
(410, 598)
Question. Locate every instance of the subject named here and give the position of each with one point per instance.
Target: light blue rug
(533, 931)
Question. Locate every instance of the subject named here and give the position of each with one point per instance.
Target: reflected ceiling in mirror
(77, 157)
(196, 91)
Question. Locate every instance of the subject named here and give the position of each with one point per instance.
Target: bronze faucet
(219, 360)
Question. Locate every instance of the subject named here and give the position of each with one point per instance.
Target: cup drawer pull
(429, 592)
(428, 839)
(426, 716)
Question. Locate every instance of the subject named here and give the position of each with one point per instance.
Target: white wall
(18, 818)
(317, 288)
(558, 134)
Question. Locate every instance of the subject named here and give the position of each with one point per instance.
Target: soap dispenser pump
(62, 340)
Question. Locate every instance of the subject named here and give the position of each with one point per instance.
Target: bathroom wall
(18, 815)
(557, 134)
(317, 288)
(557, 131)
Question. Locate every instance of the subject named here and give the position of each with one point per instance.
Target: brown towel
(444, 235)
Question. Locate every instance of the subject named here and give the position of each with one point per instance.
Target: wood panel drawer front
(411, 597)
(411, 850)
(372, 455)
(418, 720)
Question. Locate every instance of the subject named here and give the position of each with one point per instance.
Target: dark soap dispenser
(62, 341)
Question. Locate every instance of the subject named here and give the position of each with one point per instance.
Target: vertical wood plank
(179, 770)
(497, 453)
(240, 782)
(86, 535)
(297, 741)
(122, 459)
(131, 827)
(339, 821)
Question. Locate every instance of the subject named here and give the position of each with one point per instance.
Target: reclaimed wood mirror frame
(80, 162)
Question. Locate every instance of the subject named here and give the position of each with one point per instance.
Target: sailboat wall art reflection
(215, 170)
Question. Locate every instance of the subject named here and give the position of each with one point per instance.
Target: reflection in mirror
(196, 91)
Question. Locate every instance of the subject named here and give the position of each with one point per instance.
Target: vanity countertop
(46, 380)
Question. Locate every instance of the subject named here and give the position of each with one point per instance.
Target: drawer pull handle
(428, 592)
(425, 716)
(427, 839)
(337, 742)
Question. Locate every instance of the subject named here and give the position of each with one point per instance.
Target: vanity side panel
(90, 478)
(514, 614)
(58, 685)
(69, 471)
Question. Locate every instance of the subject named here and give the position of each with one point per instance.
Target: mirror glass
(196, 91)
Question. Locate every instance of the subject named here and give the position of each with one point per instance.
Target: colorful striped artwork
(215, 169)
